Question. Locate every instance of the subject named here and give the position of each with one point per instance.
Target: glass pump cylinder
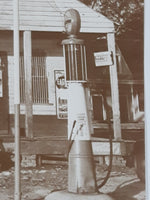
(75, 60)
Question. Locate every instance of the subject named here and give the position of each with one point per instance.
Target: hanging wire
(56, 8)
(54, 5)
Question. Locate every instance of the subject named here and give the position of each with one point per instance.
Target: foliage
(127, 15)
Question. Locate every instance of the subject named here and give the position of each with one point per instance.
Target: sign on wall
(61, 95)
(103, 58)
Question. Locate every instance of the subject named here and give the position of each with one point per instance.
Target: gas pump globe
(74, 49)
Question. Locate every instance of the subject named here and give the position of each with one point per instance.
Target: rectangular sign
(103, 58)
(61, 95)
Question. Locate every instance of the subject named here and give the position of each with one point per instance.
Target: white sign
(103, 58)
(61, 95)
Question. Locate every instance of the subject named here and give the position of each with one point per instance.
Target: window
(39, 80)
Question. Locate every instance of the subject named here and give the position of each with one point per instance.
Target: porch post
(114, 87)
(28, 84)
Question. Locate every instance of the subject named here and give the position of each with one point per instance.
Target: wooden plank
(125, 126)
(6, 27)
(28, 8)
(44, 147)
(114, 88)
(53, 18)
(49, 23)
(86, 15)
(60, 147)
(48, 20)
(55, 29)
(32, 13)
(28, 84)
(8, 8)
(56, 24)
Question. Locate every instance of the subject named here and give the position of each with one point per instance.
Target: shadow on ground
(129, 190)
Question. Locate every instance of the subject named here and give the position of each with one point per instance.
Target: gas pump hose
(71, 141)
(110, 130)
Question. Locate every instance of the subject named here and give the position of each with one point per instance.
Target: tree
(128, 18)
(127, 15)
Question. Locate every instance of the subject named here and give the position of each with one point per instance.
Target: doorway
(124, 108)
(98, 107)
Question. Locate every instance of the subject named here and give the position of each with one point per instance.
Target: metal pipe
(82, 59)
(69, 62)
(17, 154)
(76, 63)
(17, 99)
(72, 63)
(85, 64)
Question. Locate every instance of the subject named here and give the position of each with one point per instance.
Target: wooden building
(43, 117)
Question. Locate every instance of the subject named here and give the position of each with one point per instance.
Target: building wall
(54, 61)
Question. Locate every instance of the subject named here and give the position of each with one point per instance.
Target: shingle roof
(48, 15)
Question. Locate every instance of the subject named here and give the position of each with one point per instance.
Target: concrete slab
(71, 196)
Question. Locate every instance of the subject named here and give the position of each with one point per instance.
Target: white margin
(147, 93)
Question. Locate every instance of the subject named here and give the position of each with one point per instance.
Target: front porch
(51, 139)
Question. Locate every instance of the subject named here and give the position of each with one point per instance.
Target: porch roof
(48, 15)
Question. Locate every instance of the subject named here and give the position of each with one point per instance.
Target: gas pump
(81, 175)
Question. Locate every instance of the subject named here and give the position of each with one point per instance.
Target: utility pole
(16, 98)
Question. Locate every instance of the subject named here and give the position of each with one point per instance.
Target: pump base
(73, 196)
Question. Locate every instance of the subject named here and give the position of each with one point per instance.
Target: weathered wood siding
(48, 15)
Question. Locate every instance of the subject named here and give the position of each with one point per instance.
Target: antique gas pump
(81, 174)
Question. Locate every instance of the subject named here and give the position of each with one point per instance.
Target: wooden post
(114, 88)
(28, 84)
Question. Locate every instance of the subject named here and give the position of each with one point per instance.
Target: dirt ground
(37, 183)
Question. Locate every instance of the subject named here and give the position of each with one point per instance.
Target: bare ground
(36, 183)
